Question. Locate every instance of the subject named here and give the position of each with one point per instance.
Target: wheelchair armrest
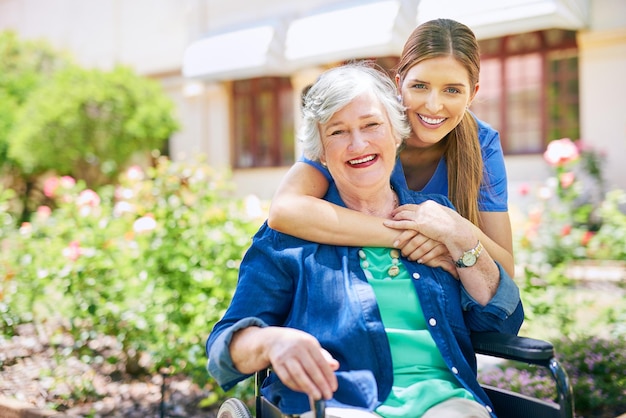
(512, 347)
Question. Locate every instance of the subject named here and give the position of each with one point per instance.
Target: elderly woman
(364, 326)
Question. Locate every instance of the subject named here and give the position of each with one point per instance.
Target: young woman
(449, 152)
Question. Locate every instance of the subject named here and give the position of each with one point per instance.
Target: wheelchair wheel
(233, 408)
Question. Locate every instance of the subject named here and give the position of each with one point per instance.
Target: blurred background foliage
(570, 251)
(58, 117)
(151, 261)
(24, 66)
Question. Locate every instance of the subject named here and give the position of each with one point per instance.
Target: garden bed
(40, 374)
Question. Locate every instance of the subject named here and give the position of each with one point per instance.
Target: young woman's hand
(434, 221)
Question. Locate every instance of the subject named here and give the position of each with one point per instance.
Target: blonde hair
(442, 38)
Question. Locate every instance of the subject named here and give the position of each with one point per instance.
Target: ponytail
(465, 167)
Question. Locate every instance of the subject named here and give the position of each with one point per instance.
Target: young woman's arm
(298, 209)
(495, 234)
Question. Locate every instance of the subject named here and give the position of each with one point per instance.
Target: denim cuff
(504, 302)
(220, 364)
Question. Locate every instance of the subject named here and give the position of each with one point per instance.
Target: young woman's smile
(436, 93)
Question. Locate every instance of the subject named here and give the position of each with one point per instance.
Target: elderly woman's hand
(295, 356)
(418, 247)
(300, 362)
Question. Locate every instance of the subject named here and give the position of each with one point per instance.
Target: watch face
(469, 259)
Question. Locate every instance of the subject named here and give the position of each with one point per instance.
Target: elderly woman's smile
(359, 135)
(362, 162)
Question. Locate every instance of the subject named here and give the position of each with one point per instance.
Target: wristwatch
(469, 257)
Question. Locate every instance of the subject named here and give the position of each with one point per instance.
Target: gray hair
(335, 89)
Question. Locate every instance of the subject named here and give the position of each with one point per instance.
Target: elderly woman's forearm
(498, 253)
(481, 280)
(247, 351)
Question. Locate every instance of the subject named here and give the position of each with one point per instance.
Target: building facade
(236, 69)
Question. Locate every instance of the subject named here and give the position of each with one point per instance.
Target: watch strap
(475, 252)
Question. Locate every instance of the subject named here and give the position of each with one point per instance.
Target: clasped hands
(424, 230)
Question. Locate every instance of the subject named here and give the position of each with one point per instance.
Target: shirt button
(488, 408)
(455, 370)
(416, 275)
(432, 322)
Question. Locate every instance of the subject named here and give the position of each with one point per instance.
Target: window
(529, 89)
(263, 122)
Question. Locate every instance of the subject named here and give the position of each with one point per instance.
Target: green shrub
(25, 65)
(89, 123)
(152, 262)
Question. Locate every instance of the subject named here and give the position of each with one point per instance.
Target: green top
(421, 378)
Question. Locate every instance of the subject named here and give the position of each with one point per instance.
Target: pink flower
(72, 251)
(43, 212)
(567, 179)
(566, 230)
(560, 152)
(586, 238)
(52, 184)
(88, 198)
(134, 173)
(67, 182)
(583, 146)
(523, 189)
(144, 224)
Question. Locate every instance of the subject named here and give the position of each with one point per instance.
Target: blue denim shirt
(321, 289)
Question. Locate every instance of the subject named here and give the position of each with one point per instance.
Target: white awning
(495, 18)
(362, 29)
(357, 31)
(246, 53)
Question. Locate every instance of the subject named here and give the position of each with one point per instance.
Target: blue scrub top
(493, 194)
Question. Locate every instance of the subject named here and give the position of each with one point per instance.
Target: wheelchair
(507, 404)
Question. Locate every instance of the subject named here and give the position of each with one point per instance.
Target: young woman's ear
(471, 99)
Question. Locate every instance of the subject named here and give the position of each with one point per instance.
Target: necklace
(380, 263)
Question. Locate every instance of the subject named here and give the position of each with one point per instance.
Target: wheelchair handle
(318, 407)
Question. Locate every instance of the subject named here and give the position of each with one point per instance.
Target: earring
(399, 97)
